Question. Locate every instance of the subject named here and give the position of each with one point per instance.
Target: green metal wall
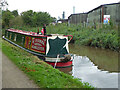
(78, 18)
(96, 15)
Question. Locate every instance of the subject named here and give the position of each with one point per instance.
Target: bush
(105, 37)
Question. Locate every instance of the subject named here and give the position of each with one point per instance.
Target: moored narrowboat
(53, 49)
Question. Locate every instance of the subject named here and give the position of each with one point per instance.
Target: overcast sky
(56, 7)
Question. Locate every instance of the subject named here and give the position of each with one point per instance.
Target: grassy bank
(102, 37)
(44, 75)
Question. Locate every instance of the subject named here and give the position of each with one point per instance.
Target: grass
(44, 75)
(0, 43)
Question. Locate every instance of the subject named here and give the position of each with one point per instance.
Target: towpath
(12, 77)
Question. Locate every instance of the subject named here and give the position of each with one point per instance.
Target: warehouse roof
(101, 6)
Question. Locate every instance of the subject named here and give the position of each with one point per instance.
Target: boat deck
(27, 32)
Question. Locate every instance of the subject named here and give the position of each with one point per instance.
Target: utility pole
(73, 9)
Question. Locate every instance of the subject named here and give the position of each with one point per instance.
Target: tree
(17, 21)
(15, 13)
(28, 17)
(54, 19)
(43, 18)
(36, 18)
(6, 17)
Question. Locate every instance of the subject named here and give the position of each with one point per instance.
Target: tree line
(27, 18)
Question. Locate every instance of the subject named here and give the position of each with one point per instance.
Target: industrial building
(77, 18)
(97, 15)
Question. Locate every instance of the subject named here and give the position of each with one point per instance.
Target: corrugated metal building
(77, 18)
(97, 15)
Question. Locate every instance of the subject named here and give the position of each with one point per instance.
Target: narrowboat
(53, 49)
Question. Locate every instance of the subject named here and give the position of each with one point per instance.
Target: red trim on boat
(69, 36)
(34, 34)
(27, 33)
(61, 64)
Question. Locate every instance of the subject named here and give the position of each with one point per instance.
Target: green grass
(44, 75)
(0, 42)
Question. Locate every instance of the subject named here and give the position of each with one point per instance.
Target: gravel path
(12, 77)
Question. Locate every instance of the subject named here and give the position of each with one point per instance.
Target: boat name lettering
(38, 48)
(37, 44)
(39, 41)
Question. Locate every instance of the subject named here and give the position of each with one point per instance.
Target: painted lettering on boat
(38, 44)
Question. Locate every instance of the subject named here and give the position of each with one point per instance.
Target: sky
(56, 7)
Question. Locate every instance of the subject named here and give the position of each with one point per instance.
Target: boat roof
(32, 33)
(27, 33)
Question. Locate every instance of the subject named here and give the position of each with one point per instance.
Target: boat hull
(46, 46)
(50, 61)
(60, 64)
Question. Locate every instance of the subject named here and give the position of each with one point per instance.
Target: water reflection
(99, 67)
(105, 60)
(67, 70)
(86, 70)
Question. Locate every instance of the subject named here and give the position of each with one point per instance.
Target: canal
(99, 67)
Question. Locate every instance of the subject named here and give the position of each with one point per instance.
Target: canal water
(99, 67)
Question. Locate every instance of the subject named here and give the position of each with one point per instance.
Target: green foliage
(0, 43)
(15, 13)
(36, 18)
(6, 17)
(28, 18)
(42, 18)
(16, 22)
(0, 19)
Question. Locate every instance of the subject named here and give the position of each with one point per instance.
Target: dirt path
(12, 77)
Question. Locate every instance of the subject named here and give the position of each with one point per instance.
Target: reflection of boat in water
(67, 70)
(53, 48)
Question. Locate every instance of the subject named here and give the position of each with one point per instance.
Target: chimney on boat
(38, 31)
